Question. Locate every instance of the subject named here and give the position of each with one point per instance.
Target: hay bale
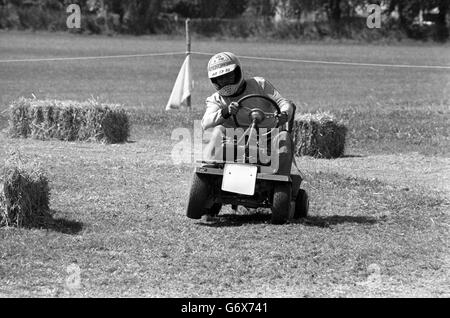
(68, 120)
(18, 118)
(24, 194)
(319, 135)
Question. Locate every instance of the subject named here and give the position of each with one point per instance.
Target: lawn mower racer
(248, 160)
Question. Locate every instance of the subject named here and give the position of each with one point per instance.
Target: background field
(147, 81)
(119, 209)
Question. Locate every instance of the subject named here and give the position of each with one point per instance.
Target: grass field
(119, 209)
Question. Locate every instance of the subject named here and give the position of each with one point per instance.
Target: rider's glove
(282, 118)
(232, 109)
(225, 113)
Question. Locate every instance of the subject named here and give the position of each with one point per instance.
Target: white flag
(183, 86)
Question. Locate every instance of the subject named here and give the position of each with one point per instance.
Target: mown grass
(122, 221)
(118, 210)
(402, 127)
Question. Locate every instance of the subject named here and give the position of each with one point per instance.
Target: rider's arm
(284, 104)
(215, 114)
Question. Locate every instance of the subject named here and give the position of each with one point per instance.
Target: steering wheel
(257, 115)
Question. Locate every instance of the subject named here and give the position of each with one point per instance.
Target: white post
(188, 52)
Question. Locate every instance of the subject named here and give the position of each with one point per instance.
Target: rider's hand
(233, 108)
(282, 118)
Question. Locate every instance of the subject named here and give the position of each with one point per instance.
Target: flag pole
(180, 97)
(188, 53)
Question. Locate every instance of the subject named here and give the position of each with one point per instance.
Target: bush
(68, 120)
(36, 18)
(129, 19)
(9, 18)
(288, 30)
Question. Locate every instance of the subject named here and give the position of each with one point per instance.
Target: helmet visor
(230, 78)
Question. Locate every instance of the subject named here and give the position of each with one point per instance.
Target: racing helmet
(222, 64)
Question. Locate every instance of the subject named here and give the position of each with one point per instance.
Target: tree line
(336, 18)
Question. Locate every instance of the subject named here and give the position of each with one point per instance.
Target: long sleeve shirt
(256, 85)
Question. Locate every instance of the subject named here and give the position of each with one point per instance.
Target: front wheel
(198, 197)
(281, 203)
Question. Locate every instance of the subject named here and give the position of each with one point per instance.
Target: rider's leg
(283, 148)
(214, 151)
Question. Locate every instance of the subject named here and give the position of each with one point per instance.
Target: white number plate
(239, 178)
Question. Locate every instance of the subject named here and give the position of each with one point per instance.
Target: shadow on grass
(61, 225)
(46, 221)
(228, 220)
(353, 156)
(64, 226)
(3, 122)
(327, 221)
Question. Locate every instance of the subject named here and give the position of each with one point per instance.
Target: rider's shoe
(207, 218)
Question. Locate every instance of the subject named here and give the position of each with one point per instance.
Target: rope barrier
(333, 63)
(240, 56)
(92, 57)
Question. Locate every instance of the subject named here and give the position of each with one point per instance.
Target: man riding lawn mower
(248, 160)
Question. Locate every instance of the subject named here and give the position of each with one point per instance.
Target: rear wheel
(301, 204)
(198, 197)
(281, 203)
